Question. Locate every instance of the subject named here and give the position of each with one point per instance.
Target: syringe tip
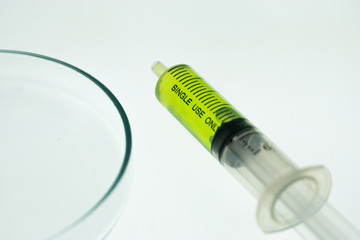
(159, 68)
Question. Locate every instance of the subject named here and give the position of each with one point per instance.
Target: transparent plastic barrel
(288, 196)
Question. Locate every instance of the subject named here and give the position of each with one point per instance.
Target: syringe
(288, 196)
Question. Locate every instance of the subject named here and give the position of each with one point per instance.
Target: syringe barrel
(202, 110)
(286, 194)
(255, 161)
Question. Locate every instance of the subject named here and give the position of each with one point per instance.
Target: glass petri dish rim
(127, 130)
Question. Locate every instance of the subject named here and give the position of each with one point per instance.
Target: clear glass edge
(127, 130)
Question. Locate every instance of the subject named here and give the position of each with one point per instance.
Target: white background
(291, 67)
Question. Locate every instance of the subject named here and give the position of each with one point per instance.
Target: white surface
(291, 67)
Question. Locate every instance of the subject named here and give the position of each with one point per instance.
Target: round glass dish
(65, 144)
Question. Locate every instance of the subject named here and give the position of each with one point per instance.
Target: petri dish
(65, 145)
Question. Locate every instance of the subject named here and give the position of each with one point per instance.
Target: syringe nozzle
(159, 68)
